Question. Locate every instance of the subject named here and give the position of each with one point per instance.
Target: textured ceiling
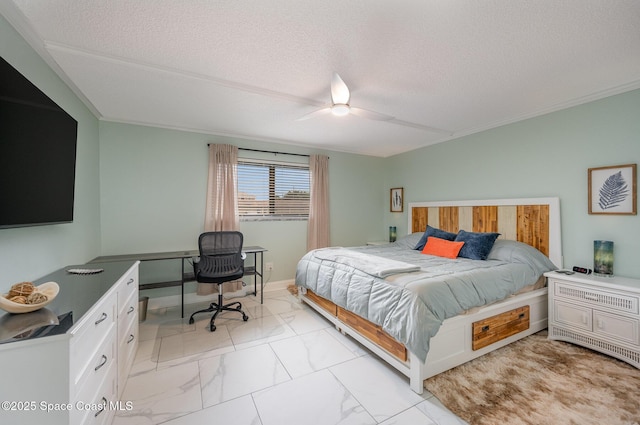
(250, 69)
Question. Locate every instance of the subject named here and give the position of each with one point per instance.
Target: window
(270, 190)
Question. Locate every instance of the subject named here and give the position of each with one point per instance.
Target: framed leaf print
(396, 199)
(612, 190)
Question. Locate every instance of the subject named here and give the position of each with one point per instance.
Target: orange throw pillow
(442, 247)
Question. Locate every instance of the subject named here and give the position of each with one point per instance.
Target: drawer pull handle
(485, 328)
(102, 318)
(130, 281)
(131, 310)
(102, 407)
(131, 338)
(104, 362)
(584, 318)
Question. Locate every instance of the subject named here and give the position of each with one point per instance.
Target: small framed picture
(612, 190)
(397, 199)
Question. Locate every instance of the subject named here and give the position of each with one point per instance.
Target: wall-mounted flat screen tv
(37, 154)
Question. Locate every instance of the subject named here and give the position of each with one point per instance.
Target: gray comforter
(410, 294)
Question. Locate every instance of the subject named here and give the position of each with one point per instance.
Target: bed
(424, 314)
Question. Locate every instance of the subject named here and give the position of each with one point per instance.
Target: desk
(254, 270)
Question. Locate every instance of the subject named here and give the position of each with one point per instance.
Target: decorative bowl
(50, 289)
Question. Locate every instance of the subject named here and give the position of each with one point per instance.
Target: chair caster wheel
(191, 320)
(212, 327)
(245, 317)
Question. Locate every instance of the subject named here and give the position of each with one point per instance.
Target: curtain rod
(273, 152)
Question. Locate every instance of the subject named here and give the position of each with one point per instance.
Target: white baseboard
(192, 297)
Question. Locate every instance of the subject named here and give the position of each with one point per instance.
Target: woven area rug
(536, 381)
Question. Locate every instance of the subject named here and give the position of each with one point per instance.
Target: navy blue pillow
(432, 231)
(476, 245)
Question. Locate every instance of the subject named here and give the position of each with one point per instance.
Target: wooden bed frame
(534, 221)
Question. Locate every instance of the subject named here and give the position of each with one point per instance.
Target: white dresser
(76, 374)
(596, 312)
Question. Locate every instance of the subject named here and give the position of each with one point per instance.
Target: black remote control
(581, 270)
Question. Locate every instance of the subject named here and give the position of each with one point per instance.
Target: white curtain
(221, 211)
(318, 227)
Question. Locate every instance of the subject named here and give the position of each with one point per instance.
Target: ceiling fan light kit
(340, 110)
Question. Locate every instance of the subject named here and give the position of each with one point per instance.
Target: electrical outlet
(268, 267)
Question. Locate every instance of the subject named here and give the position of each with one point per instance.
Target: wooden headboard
(534, 221)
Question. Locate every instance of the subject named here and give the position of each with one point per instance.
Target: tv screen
(37, 154)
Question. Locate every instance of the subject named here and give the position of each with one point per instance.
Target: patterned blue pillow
(476, 245)
(432, 231)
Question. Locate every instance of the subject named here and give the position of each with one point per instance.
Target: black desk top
(78, 293)
(152, 256)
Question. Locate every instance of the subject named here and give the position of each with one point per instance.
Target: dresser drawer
(128, 334)
(127, 287)
(128, 313)
(98, 408)
(128, 338)
(89, 379)
(127, 349)
(572, 315)
(91, 332)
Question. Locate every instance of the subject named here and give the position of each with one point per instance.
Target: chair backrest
(220, 256)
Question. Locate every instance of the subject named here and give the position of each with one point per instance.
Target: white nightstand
(596, 312)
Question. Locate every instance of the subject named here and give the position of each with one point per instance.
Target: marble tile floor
(286, 365)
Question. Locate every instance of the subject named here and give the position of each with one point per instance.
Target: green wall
(142, 189)
(31, 252)
(544, 156)
(153, 184)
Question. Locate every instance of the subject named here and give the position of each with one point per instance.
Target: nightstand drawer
(572, 315)
(597, 297)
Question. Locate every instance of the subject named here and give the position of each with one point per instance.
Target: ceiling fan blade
(339, 91)
(370, 115)
(315, 113)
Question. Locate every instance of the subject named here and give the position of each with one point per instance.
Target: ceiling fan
(340, 106)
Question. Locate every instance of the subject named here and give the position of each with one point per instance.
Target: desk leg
(182, 288)
(258, 272)
(255, 275)
(261, 278)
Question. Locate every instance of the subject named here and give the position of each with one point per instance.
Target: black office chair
(221, 260)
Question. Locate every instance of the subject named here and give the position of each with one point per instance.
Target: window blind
(272, 190)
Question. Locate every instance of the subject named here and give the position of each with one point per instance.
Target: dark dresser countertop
(78, 293)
